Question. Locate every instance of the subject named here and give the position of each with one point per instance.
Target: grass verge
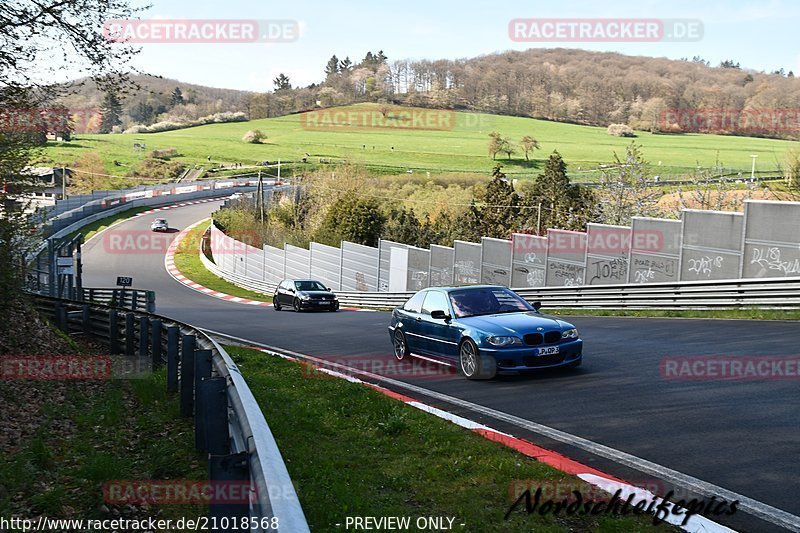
(745, 313)
(187, 260)
(84, 433)
(352, 451)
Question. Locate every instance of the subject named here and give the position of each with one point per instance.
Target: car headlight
(304, 296)
(503, 341)
(570, 334)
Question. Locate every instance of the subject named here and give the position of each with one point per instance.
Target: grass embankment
(64, 439)
(461, 149)
(352, 451)
(187, 260)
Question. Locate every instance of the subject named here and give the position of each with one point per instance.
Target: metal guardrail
(133, 299)
(229, 424)
(776, 293)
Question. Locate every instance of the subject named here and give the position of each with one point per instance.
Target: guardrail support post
(202, 370)
(61, 317)
(155, 339)
(130, 337)
(113, 332)
(134, 299)
(187, 375)
(214, 398)
(151, 301)
(229, 469)
(173, 341)
(85, 319)
(144, 336)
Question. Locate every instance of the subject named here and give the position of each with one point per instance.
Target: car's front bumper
(524, 358)
(319, 304)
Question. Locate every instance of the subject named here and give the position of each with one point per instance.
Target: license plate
(549, 350)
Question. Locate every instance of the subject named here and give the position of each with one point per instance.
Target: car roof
(466, 287)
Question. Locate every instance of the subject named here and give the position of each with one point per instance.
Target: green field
(460, 148)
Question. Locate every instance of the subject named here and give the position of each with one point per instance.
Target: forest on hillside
(567, 85)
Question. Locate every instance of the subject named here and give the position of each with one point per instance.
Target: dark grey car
(301, 294)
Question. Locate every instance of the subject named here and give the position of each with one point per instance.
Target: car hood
(514, 323)
(317, 293)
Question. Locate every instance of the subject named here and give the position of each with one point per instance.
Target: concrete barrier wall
(704, 245)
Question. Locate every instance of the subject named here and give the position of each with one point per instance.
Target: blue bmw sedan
(482, 330)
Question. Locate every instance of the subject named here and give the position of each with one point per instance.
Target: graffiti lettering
(705, 265)
(770, 259)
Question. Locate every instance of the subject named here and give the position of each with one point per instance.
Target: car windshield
(160, 221)
(309, 286)
(486, 301)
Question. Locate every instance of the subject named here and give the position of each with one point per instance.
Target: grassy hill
(459, 149)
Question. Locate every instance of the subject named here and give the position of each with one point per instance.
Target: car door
(411, 320)
(440, 336)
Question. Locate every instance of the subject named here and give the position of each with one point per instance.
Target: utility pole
(63, 182)
(260, 194)
(539, 220)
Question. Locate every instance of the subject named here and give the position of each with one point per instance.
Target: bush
(254, 136)
(621, 130)
(165, 153)
(169, 125)
(158, 169)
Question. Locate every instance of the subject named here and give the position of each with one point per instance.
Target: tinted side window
(414, 304)
(435, 301)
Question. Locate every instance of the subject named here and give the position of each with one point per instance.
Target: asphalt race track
(740, 435)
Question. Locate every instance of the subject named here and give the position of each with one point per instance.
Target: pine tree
(500, 214)
(346, 65)
(563, 205)
(177, 97)
(332, 67)
(111, 111)
(282, 82)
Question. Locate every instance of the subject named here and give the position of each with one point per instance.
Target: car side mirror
(537, 305)
(439, 315)
(328, 289)
(290, 289)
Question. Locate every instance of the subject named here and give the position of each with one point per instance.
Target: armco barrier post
(130, 334)
(202, 370)
(173, 342)
(151, 301)
(113, 332)
(187, 375)
(134, 299)
(61, 317)
(155, 350)
(144, 336)
(229, 468)
(86, 319)
(214, 397)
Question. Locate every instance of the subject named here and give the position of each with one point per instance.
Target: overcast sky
(762, 35)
